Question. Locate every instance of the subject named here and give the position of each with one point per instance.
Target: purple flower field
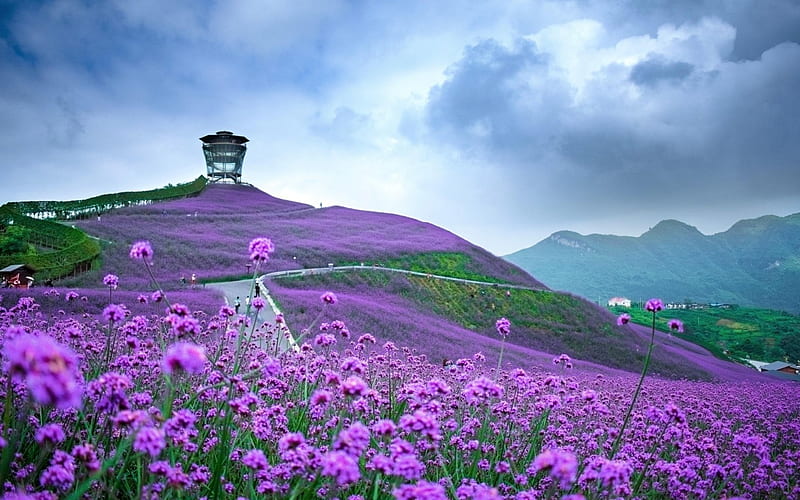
(399, 310)
(203, 404)
(139, 406)
(127, 388)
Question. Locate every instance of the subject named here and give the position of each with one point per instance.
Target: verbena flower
(260, 249)
(47, 368)
(503, 327)
(114, 313)
(259, 303)
(149, 440)
(623, 319)
(255, 459)
(61, 472)
(654, 305)
(340, 466)
(185, 356)
(328, 298)
(50, 433)
(561, 465)
(353, 440)
(480, 390)
(111, 281)
(675, 324)
(354, 386)
(86, 454)
(141, 250)
(419, 491)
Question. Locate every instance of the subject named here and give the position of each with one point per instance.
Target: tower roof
(224, 136)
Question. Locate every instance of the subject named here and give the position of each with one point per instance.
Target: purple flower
(654, 305)
(480, 390)
(114, 313)
(260, 249)
(61, 472)
(623, 319)
(328, 298)
(366, 338)
(562, 466)
(423, 490)
(149, 440)
(48, 369)
(157, 296)
(354, 386)
(111, 281)
(503, 327)
(423, 423)
(320, 397)
(612, 474)
(340, 466)
(86, 454)
(353, 440)
(141, 250)
(185, 356)
(259, 303)
(108, 392)
(676, 324)
(50, 433)
(255, 459)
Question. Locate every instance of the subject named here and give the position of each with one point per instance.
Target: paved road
(330, 269)
(241, 289)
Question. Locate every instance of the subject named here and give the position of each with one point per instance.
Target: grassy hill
(207, 235)
(755, 263)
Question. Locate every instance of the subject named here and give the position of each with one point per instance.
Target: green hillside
(755, 263)
(734, 332)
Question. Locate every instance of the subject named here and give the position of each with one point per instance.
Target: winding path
(330, 269)
(243, 288)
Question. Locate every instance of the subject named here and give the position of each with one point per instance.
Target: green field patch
(735, 325)
(735, 332)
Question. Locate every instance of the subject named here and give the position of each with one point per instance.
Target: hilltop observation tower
(224, 154)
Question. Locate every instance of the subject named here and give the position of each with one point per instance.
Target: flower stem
(618, 440)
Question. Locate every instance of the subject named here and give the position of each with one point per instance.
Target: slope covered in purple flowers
(203, 235)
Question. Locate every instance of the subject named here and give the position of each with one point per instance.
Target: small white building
(619, 301)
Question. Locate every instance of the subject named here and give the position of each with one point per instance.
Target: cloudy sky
(502, 121)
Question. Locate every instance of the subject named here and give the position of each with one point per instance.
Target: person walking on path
(258, 290)
(237, 304)
(194, 280)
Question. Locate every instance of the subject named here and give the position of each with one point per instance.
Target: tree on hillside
(14, 240)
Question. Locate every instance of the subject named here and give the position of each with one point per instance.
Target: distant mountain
(756, 263)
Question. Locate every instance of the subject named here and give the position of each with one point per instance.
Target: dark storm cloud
(657, 69)
(496, 99)
(760, 24)
(726, 131)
